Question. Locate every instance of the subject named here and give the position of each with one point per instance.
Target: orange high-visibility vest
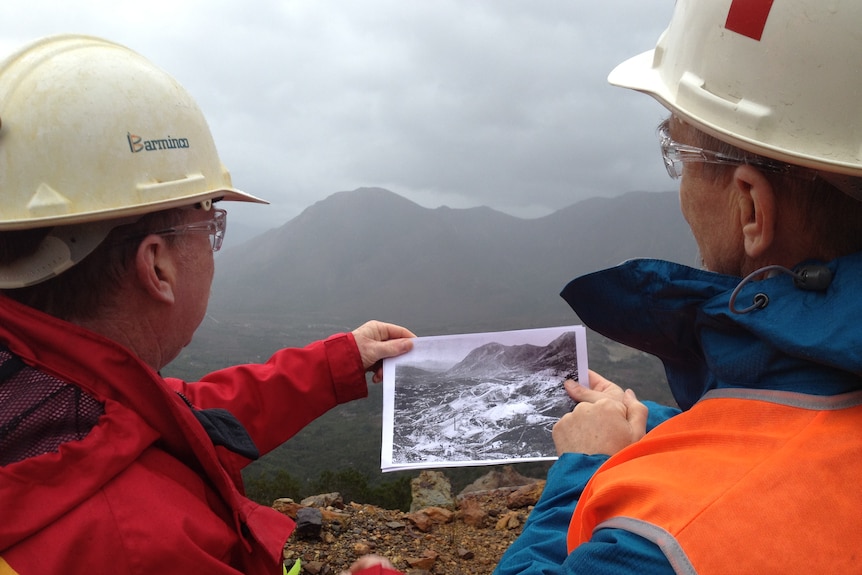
(744, 482)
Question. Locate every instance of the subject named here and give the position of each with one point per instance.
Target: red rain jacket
(146, 491)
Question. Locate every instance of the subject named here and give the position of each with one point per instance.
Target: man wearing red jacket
(109, 179)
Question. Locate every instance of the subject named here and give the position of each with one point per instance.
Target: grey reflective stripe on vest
(662, 539)
(789, 398)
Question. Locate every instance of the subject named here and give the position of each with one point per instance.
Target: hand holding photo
(479, 399)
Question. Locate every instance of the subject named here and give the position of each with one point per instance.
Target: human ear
(757, 212)
(155, 266)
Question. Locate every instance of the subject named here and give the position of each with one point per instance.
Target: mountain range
(370, 253)
(560, 355)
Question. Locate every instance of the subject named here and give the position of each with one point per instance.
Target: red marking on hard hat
(748, 17)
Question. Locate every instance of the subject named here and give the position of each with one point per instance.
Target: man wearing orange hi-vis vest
(757, 470)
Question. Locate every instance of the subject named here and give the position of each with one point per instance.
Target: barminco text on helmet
(138, 144)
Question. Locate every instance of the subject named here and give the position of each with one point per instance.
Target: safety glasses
(675, 155)
(215, 227)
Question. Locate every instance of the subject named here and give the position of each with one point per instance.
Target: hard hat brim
(223, 194)
(637, 73)
(61, 249)
(67, 244)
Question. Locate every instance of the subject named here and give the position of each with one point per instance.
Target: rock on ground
(466, 541)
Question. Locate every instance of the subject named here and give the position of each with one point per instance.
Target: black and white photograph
(479, 399)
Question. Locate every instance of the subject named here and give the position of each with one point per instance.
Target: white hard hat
(781, 79)
(91, 135)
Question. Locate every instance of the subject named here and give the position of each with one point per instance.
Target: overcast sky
(503, 103)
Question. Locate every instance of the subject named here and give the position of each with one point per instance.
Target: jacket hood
(802, 340)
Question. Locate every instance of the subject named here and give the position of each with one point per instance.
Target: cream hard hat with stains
(780, 79)
(93, 135)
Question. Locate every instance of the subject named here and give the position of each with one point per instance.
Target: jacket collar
(801, 341)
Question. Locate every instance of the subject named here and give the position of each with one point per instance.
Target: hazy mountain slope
(560, 354)
(370, 252)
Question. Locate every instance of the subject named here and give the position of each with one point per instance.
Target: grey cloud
(501, 103)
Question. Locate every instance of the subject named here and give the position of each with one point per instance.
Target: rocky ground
(465, 537)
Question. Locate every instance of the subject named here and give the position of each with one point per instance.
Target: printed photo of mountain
(479, 399)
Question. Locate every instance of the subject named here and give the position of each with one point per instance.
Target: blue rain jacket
(803, 340)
